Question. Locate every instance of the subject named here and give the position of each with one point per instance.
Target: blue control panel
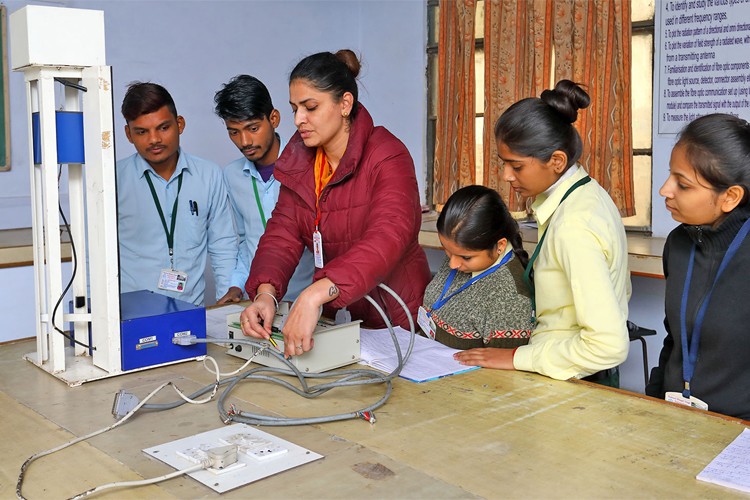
(149, 322)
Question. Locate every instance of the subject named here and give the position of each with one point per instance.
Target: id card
(425, 322)
(677, 397)
(173, 281)
(318, 249)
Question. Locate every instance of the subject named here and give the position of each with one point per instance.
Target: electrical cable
(74, 257)
(235, 372)
(72, 85)
(351, 377)
(41, 454)
(142, 482)
(215, 386)
(188, 399)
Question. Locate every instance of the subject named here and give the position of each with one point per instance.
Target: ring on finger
(299, 347)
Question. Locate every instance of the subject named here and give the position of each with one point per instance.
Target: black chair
(636, 332)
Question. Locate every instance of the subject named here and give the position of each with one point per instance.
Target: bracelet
(276, 302)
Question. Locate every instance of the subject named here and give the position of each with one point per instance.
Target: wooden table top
(480, 434)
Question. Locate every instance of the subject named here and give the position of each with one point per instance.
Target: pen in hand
(271, 340)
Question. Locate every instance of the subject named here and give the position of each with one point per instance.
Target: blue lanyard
(690, 352)
(440, 302)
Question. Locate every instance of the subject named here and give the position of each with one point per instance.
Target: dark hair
(475, 217)
(718, 148)
(243, 98)
(144, 98)
(539, 126)
(332, 73)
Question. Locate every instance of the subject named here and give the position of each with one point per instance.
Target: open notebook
(731, 467)
(429, 360)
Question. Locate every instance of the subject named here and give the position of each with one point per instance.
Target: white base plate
(81, 369)
(255, 468)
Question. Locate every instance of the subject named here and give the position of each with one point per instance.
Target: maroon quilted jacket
(369, 225)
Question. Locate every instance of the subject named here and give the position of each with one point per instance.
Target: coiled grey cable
(350, 377)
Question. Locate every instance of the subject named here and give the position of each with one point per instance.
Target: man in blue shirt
(251, 120)
(173, 209)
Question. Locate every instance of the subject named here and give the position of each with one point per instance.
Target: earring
(344, 114)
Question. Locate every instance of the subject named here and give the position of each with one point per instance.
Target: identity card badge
(318, 249)
(677, 397)
(173, 281)
(425, 322)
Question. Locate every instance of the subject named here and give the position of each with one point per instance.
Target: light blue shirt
(239, 177)
(143, 243)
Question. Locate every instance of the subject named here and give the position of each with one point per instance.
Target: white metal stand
(67, 45)
(64, 47)
(93, 207)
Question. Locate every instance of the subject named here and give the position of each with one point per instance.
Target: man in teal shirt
(251, 120)
(173, 210)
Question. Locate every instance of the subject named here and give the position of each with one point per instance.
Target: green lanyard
(530, 265)
(260, 207)
(170, 232)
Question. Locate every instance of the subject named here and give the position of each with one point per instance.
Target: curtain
(592, 47)
(517, 64)
(454, 135)
(591, 44)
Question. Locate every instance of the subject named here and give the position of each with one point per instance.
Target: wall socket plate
(262, 455)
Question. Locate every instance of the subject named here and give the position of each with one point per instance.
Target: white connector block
(197, 454)
(336, 345)
(223, 456)
(254, 446)
(272, 455)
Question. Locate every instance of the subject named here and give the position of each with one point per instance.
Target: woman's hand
(300, 324)
(487, 357)
(257, 319)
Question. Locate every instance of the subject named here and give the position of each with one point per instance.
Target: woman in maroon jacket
(349, 194)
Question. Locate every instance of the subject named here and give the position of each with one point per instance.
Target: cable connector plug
(185, 340)
(223, 456)
(367, 415)
(124, 403)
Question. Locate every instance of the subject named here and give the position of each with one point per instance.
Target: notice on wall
(704, 60)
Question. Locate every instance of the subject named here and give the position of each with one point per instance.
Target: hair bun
(567, 98)
(351, 60)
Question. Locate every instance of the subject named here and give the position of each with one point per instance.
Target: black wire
(72, 277)
(66, 83)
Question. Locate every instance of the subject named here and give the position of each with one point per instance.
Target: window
(642, 67)
(642, 18)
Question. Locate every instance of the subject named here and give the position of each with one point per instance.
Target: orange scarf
(323, 171)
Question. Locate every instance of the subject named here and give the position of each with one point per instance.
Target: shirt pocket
(192, 224)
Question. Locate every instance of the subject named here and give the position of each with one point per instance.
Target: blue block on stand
(149, 322)
(69, 127)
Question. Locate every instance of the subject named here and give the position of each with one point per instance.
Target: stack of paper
(429, 359)
(731, 467)
(216, 320)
